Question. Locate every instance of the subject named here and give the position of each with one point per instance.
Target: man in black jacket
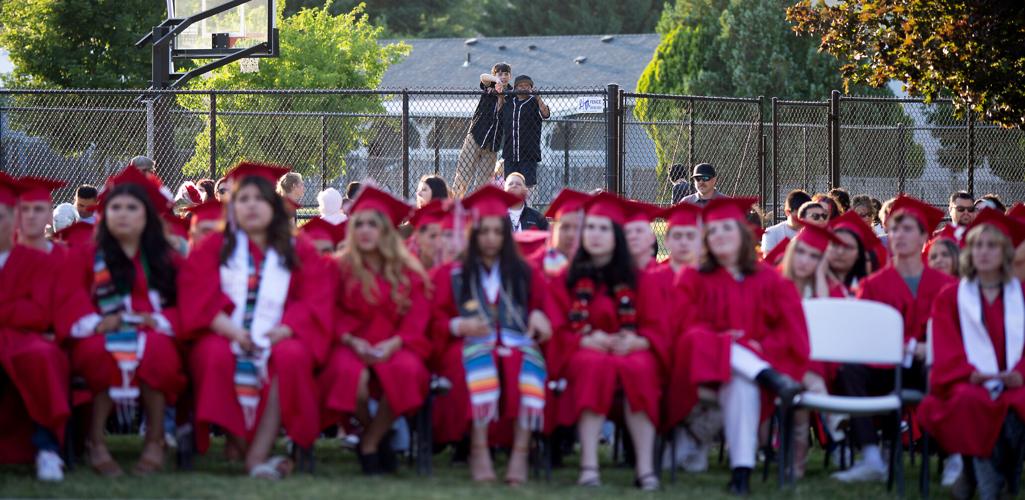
(480, 148)
(521, 125)
(522, 216)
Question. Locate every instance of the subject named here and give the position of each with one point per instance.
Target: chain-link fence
(634, 144)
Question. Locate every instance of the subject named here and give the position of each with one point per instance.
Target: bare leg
(378, 428)
(267, 431)
(153, 449)
(98, 452)
(517, 472)
(642, 430)
(589, 429)
(363, 398)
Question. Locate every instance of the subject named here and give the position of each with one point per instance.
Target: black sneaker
(370, 463)
(740, 482)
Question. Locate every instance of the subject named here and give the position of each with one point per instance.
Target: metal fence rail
(595, 138)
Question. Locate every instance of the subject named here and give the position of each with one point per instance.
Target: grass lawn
(337, 476)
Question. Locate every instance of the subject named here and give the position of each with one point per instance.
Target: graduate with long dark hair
(118, 307)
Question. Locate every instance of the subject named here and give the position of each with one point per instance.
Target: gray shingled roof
(439, 62)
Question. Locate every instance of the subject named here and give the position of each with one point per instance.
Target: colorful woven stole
(126, 345)
(248, 382)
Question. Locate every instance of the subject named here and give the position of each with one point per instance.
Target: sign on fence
(591, 104)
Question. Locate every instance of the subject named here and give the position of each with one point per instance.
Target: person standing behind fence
(480, 148)
(704, 178)
(521, 125)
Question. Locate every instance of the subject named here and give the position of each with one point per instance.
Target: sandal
(592, 481)
(107, 468)
(481, 469)
(277, 467)
(514, 477)
(648, 482)
(146, 466)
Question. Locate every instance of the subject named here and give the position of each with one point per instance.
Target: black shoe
(740, 481)
(461, 452)
(784, 386)
(386, 456)
(369, 462)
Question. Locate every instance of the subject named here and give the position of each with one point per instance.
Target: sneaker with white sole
(49, 467)
(952, 468)
(862, 472)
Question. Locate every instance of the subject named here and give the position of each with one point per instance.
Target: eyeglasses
(965, 209)
(818, 216)
(702, 178)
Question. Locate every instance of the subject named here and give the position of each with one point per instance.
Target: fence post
(690, 134)
(902, 161)
(3, 153)
(213, 135)
(567, 133)
(405, 143)
(775, 161)
(804, 163)
(971, 151)
(834, 139)
(761, 153)
(323, 152)
(612, 138)
(622, 143)
(437, 146)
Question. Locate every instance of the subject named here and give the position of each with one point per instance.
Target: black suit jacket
(532, 219)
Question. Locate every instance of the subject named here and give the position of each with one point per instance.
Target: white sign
(591, 104)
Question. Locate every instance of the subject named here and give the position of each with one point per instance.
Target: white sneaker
(49, 467)
(952, 468)
(862, 472)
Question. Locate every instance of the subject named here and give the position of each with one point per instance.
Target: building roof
(578, 61)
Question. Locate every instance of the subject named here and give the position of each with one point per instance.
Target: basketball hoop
(249, 65)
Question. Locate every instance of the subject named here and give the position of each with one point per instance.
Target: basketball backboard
(241, 24)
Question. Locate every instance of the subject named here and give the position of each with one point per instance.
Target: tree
(78, 43)
(318, 50)
(970, 50)
(568, 17)
(421, 19)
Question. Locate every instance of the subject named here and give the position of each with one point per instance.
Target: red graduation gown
(960, 415)
(764, 305)
(403, 378)
(887, 286)
(595, 377)
(161, 366)
(452, 412)
(308, 313)
(35, 372)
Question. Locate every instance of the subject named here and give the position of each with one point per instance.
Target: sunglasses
(965, 209)
(818, 216)
(702, 178)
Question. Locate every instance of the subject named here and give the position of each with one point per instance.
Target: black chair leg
(923, 478)
(672, 454)
(303, 458)
(767, 449)
(186, 437)
(425, 438)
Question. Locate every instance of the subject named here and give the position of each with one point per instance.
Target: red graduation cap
(565, 202)
(605, 204)
(817, 237)
(265, 170)
(531, 240)
(431, 213)
(193, 193)
(724, 208)
(37, 188)
(682, 214)
(1017, 211)
(179, 226)
(319, 229)
(76, 234)
(947, 233)
(1011, 227)
(775, 256)
(208, 210)
(490, 201)
(371, 198)
(639, 211)
(132, 175)
(8, 190)
(851, 221)
(927, 215)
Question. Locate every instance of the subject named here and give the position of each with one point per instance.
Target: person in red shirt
(118, 310)
(614, 340)
(425, 242)
(207, 218)
(492, 309)
(257, 314)
(640, 238)
(33, 412)
(910, 287)
(742, 327)
(976, 400)
(379, 341)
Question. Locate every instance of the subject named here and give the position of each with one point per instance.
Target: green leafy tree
(401, 18)
(971, 50)
(567, 17)
(318, 50)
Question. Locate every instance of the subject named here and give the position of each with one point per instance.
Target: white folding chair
(855, 332)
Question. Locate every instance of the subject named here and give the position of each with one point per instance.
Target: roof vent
(531, 47)
(466, 63)
(580, 60)
(607, 38)
(501, 47)
(471, 41)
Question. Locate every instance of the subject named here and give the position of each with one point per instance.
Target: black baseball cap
(703, 170)
(523, 78)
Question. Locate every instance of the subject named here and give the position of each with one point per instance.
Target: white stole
(977, 344)
(270, 299)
